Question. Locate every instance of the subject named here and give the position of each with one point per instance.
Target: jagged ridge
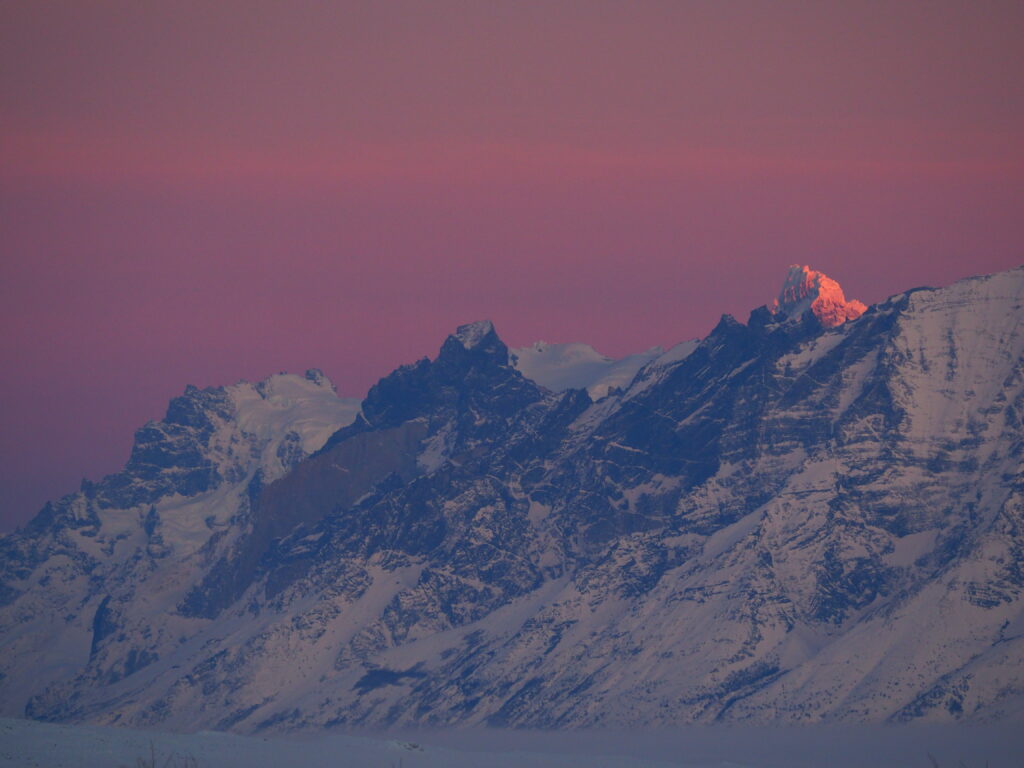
(785, 521)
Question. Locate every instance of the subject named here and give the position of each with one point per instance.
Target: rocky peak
(807, 289)
(319, 378)
(471, 344)
(472, 335)
(472, 366)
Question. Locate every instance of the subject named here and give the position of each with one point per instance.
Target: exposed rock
(808, 290)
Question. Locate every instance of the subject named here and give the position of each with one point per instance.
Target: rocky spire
(472, 334)
(806, 289)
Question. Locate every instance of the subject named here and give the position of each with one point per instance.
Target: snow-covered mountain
(813, 516)
(134, 538)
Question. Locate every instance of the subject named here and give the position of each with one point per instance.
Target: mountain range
(817, 515)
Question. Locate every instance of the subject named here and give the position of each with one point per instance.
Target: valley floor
(25, 744)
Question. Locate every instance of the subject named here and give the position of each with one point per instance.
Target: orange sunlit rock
(806, 288)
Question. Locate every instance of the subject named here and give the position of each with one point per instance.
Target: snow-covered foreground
(25, 743)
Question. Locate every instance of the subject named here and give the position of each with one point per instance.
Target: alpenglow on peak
(807, 289)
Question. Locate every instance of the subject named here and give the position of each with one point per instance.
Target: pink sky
(203, 192)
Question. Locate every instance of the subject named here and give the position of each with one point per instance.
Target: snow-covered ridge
(578, 366)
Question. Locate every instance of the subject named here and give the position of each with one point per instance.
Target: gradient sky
(199, 192)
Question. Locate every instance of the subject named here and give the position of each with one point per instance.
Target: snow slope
(578, 366)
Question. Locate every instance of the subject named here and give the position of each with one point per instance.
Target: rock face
(807, 290)
(792, 520)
